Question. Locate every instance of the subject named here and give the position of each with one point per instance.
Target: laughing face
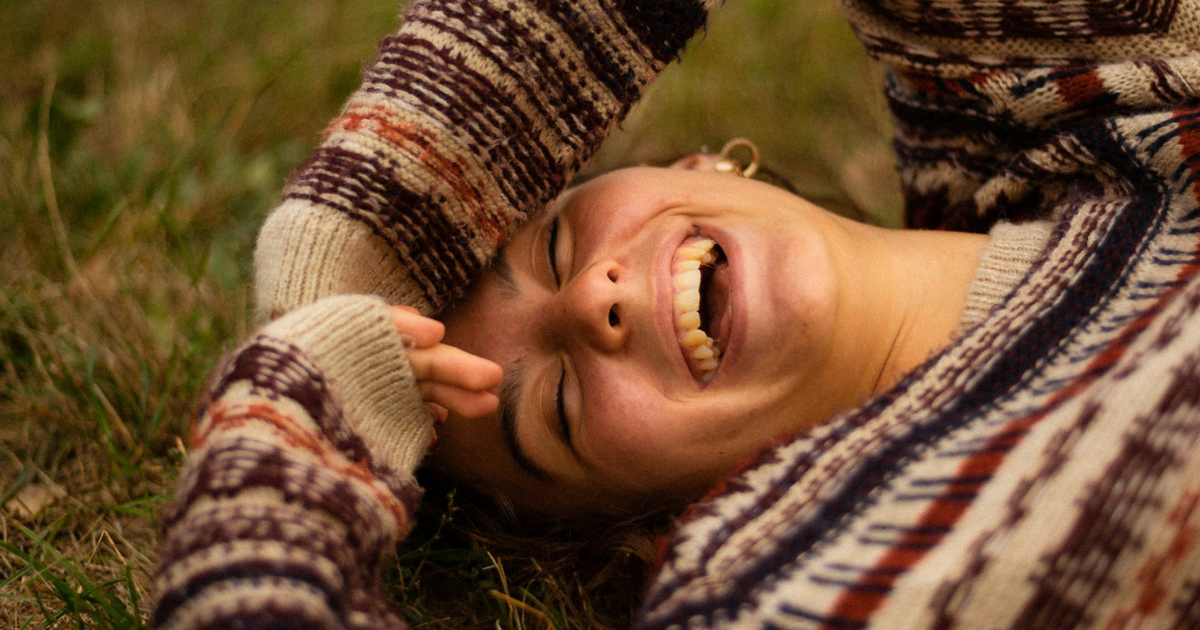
(656, 328)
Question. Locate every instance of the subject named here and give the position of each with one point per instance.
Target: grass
(142, 143)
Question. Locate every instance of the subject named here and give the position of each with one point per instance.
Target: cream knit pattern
(1041, 472)
(300, 475)
(1002, 265)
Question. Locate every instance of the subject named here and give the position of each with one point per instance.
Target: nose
(588, 309)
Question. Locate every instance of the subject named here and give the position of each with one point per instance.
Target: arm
(473, 117)
(301, 477)
(299, 480)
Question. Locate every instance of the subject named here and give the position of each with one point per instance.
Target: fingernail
(439, 412)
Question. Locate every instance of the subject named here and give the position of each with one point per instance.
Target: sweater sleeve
(299, 481)
(474, 115)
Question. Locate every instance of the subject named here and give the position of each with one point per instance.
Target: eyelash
(552, 261)
(551, 256)
(560, 407)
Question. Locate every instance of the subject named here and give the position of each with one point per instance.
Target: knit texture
(1011, 250)
(473, 117)
(1042, 471)
(299, 481)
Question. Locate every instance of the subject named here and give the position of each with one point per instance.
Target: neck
(919, 282)
(935, 269)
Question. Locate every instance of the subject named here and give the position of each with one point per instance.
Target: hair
(592, 568)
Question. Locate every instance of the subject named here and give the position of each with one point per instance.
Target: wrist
(366, 376)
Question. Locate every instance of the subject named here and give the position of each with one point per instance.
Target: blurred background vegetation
(142, 143)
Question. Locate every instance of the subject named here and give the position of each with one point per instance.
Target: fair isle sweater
(1042, 471)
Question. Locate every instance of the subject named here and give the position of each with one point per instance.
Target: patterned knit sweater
(1040, 472)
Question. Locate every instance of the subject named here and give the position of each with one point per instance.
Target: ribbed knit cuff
(1010, 252)
(306, 252)
(299, 480)
(354, 344)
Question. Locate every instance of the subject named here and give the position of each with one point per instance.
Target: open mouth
(700, 276)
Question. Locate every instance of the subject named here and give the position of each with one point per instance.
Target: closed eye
(552, 256)
(561, 409)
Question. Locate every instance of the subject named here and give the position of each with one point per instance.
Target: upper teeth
(695, 342)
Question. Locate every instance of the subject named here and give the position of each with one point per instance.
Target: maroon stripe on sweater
(616, 74)
(277, 369)
(1076, 578)
(508, 151)
(1189, 149)
(276, 614)
(1168, 85)
(1187, 606)
(510, 164)
(521, 52)
(240, 464)
(663, 26)
(1008, 20)
(436, 252)
(298, 573)
(274, 523)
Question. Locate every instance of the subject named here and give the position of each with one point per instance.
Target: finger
(454, 366)
(439, 412)
(462, 402)
(417, 330)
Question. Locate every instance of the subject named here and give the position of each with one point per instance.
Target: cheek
(627, 421)
(637, 432)
(676, 451)
(614, 208)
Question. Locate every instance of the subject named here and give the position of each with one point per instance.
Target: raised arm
(299, 482)
(474, 115)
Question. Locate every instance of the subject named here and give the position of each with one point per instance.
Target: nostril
(613, 319)
(612, 274)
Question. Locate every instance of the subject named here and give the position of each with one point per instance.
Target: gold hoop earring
(727, 164)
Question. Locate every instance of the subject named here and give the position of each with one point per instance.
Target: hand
(450, 379)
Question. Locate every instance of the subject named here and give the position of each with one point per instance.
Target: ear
(703, 162)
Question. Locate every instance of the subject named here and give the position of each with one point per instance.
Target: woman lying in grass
(894, 429)
(657, 327)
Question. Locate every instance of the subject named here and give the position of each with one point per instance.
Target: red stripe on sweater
(411, 140)
(1155, 573)
(1189, 148)
(857, 606)
(299, 438)
(1082, 88)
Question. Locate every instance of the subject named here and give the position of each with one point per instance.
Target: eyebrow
(510, 396)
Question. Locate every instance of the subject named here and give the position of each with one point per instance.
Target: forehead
(480, 452)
